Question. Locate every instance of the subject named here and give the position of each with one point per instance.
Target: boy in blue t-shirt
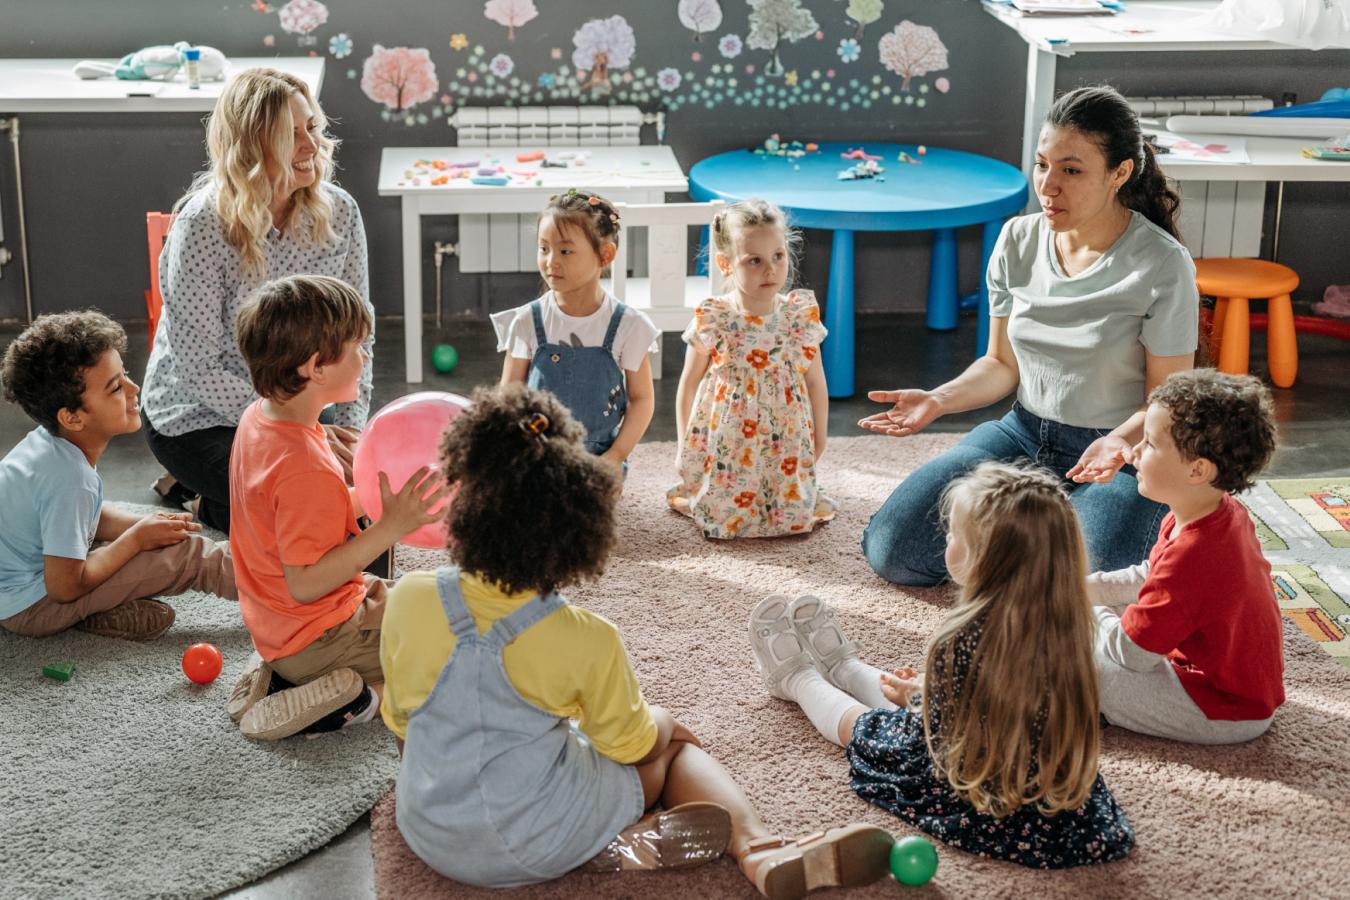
(65, 558)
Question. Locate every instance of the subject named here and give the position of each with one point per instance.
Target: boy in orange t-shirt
(298, 552)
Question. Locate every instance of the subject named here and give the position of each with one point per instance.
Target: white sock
(853, 676)
(823, 703)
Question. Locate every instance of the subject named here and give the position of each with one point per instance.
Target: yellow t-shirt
(572, 663)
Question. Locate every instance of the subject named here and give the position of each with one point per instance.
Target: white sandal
(815, 622)
(779, 651)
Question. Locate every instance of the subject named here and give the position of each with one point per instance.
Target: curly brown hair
(533, 509)
(44, 366)
(1226, 419)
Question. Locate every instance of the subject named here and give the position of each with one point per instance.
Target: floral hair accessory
(593, 200)
(535, 425)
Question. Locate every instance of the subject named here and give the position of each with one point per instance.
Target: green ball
(444, 358)
(914, 860)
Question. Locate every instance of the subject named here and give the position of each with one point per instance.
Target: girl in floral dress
(994, 748)
(752, 403)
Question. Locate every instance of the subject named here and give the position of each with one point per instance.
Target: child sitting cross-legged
(314, 618)
(994, 748)
(485, 665)
(67, 559)
(1196, 654)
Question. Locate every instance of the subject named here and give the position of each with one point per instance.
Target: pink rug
(1268, 818)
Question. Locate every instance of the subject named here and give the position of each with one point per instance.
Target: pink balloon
(398, 440)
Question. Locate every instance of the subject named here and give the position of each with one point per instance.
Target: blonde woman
(994, 748)
(265, 208)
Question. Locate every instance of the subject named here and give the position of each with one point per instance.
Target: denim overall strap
(619, 310)
(537, 314)
(452, 601)
(508, 628)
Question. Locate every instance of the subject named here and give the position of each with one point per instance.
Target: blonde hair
(740, 217)
(1019, 724)
(248, 126)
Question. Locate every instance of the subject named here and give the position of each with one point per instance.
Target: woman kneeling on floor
(485, 663)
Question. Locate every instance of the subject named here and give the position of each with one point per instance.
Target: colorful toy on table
(1336, 148)
(202, 663)
(860, 154)
(62, 671)
(866, 168)
(158, 63)
(775, 146)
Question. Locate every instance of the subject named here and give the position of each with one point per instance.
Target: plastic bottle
(192, 65)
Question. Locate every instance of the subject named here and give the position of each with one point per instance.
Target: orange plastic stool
(1234, 283)
(156, 233)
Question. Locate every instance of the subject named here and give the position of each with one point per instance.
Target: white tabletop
(1142, 25)
(649, 168)
(50, 86)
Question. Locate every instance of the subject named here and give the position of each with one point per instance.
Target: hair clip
(535, 425)
(593, 200)
(571, 192)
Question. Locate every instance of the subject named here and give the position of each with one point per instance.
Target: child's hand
(682, 733)
(411, 508)
(162, 530)
(901, 686)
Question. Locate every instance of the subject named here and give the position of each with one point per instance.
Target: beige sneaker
(141, 619)
(251, 687)
(290, 711)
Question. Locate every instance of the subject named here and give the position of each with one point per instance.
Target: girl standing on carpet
(577, 340)
(752, 405)
(485, 664)
(994, 748)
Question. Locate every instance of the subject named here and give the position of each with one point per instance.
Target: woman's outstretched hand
(1101, 460)
(911, 411)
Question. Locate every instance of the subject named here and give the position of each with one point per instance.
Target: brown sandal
(850, 856)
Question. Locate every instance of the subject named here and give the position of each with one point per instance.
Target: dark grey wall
(90, 178)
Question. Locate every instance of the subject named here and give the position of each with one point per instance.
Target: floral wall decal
(399, 77)
(601, 45)
(510, 13)
(774, 21)
(912, 50)
(700, 16)
(301, 17)
(864, 12)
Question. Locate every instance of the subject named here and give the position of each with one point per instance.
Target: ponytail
(1148, 193)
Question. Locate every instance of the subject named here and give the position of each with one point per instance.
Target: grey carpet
(130, 781)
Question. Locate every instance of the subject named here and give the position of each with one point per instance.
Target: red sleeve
(313, 515)
(1171, 606)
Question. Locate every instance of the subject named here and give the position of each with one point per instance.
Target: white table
(1145, 25)
(627, 174)
(48, 86)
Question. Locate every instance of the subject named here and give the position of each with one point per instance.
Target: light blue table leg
(942, 296)
(837, 352)
(989, 238)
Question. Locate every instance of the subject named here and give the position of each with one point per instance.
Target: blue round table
(948, 189)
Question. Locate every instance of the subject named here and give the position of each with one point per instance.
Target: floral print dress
(891, 768)
(747, 464)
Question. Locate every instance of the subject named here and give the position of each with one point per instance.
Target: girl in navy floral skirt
(994, 748)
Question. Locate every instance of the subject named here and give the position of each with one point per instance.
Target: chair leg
(1234, 345)
(1216, 329)
(1281, 344)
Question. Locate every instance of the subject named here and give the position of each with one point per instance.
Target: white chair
(668, 295)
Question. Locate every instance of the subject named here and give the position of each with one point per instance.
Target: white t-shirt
(636, 337)
(1080, 340)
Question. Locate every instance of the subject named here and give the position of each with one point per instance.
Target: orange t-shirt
(289, 506)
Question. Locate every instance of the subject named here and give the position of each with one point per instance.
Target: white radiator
(506, 243)
(1217, 218)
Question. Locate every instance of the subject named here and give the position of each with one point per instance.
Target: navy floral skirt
(890, 768)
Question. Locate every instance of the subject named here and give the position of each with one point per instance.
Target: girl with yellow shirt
(528, 749)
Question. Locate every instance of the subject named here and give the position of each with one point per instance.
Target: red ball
(202, 663)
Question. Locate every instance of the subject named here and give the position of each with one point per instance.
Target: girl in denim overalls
(528, 749)
(577, 340)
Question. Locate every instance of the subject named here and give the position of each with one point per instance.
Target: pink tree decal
(912, 50)
(399, 77)
(302, 16)
(601, 45)
(700, 16)
(510, 13)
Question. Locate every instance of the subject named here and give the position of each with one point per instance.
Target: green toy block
(60, 671)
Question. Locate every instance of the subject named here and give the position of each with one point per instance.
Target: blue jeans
(904, 542)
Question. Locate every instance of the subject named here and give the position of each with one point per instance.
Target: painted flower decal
(547, 80)
(730, 46)
(849, 50)
(943, 85)
(668, 79)
(340, 45)
(501, 65)
(790, 78)
(459, 41)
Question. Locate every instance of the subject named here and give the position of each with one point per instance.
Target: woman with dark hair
(1092, 304)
